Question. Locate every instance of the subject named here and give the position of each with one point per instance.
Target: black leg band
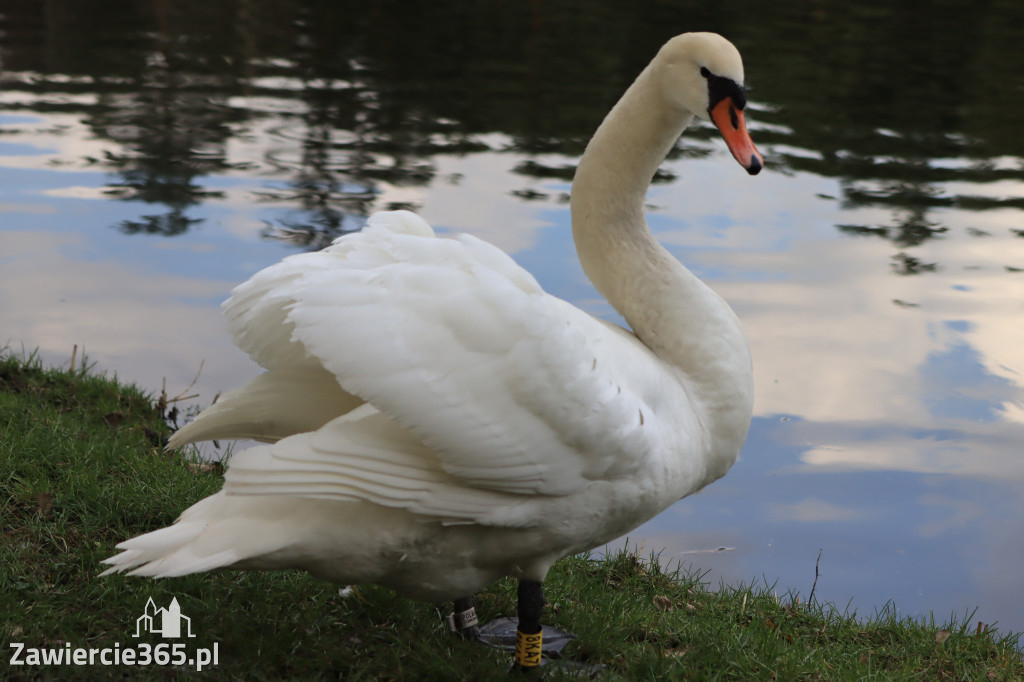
(464, 620)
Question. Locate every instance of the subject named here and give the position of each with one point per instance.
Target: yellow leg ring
(528, 649)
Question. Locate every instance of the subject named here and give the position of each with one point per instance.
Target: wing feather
(514, 390)
(365, 456)
(273, 405)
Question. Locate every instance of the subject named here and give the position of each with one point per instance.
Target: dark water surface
(154, 154)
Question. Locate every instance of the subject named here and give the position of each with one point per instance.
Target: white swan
(436, 421)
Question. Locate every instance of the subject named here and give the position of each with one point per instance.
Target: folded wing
(515, 390)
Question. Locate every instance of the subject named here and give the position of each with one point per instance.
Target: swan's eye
(720, 87)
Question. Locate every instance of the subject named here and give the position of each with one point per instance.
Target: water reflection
(877, 265)
(898, 107)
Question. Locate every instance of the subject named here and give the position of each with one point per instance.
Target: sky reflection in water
(886, 328)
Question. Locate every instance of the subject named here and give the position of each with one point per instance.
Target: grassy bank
(81, 468)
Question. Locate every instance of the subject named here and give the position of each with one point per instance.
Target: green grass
(81, 468)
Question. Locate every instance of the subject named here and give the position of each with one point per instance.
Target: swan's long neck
(671, 311)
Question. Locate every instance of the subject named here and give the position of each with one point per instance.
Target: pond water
(153, 155)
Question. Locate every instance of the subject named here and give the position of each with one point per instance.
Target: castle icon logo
(164, 622)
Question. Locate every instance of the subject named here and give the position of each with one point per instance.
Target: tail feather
(146, 554)
(184, 562)
(216, 532)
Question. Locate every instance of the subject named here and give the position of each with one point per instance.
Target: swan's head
(703, 74)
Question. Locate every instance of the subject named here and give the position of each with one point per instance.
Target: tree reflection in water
(880, 96)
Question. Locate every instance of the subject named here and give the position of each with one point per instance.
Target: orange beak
(730, 122)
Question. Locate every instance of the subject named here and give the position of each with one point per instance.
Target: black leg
(529, 634)
(463, 621)
(523, 635)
